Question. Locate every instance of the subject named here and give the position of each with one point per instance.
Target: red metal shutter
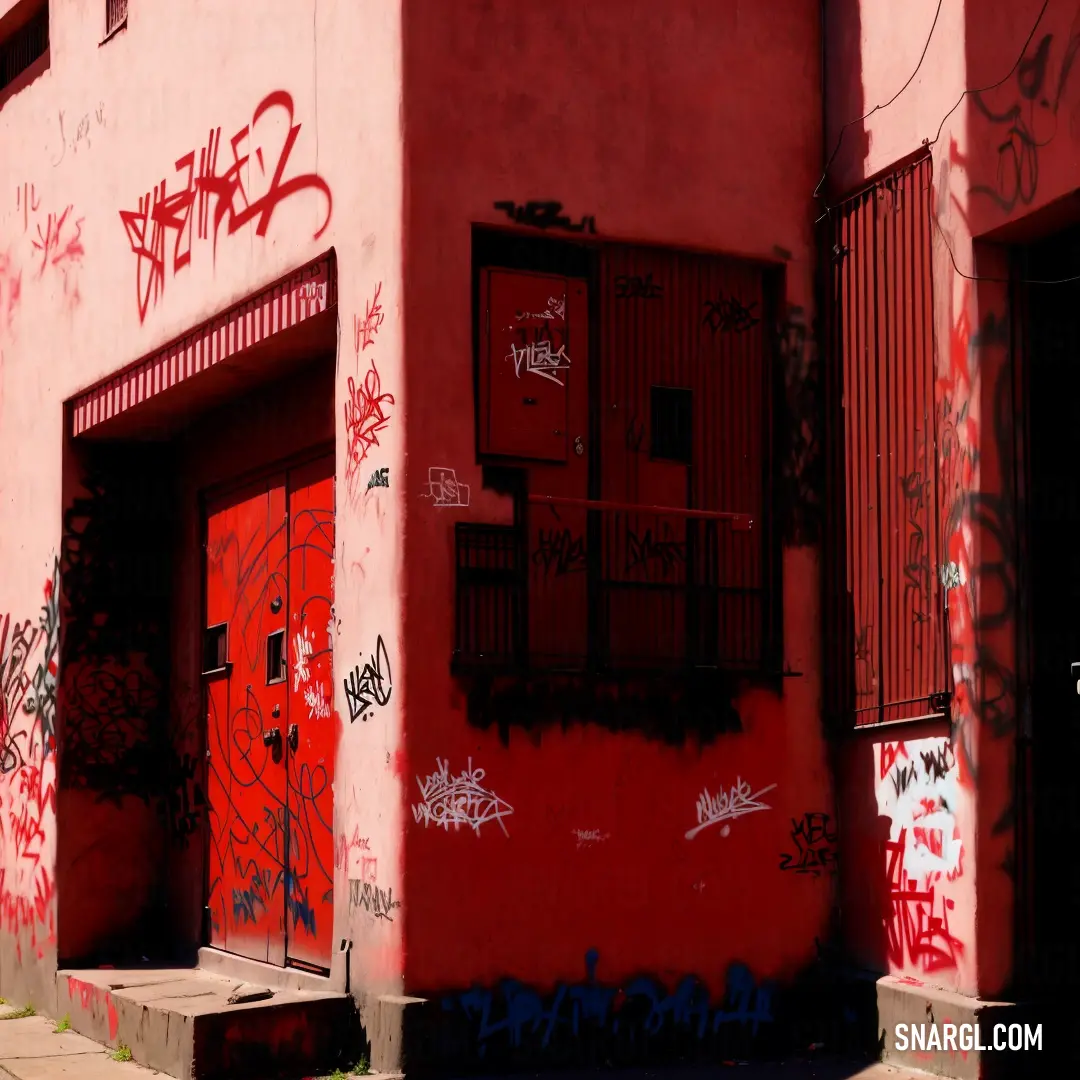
(891, 611)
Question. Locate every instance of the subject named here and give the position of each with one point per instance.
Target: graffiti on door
(272, 734)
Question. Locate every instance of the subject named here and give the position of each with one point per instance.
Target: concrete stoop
(911, 1003)
(197, 1025)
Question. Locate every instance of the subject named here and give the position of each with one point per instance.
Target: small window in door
(275, 657)
(671, 424)
(215, 648)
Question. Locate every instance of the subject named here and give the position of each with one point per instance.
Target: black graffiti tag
(729, 315)
(371, 686)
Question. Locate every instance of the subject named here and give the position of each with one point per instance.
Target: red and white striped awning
(308, 292)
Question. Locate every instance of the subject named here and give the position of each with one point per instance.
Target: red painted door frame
(271, 734)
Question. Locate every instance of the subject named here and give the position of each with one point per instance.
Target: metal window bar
(675, 588)
(23, 47)
(115, 15)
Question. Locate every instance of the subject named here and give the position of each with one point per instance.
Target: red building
(552, 552)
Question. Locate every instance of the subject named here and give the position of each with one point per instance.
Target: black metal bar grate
(23, 47)
(672, 590)
(115, 15)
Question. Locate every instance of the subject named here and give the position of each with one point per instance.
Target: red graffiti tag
(345, 847)
(364, 330)
(161, 213)
(60, 241)
(915, 934)
(90, 995)
(10, 288)
(26, 199)
(365, 417)
(890, 752)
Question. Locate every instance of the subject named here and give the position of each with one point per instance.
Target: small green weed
(29, 1010)
(121, 1053)
(62, 1025)
(359, 1069)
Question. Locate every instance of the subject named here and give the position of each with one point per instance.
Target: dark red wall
(695, 128)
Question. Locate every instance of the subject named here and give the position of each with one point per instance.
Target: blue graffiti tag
(298, 905)
(688, 1006)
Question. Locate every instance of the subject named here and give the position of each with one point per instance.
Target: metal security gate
(885, 598)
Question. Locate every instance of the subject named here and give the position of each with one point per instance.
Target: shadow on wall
(121, 789)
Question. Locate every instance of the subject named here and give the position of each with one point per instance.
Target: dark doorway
(1052, 365)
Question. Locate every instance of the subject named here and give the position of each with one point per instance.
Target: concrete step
(193, 1024)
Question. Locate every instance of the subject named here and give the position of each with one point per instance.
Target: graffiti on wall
(545, 215)
(513, 1013)
(445, 490)
(448, 799)
(801, 457)
(1023, 114)
(368, 897)
(637, 287)
(209, 198)
(559, 552)
(48, 254)
(366, 409)
(365, 329)
(29, 657)
(917, 788)
(379, 478)
(727, 806)
(369, 687)
(978, 488)
(76, 134)
(814, 843)
(727, 314)
(589, 837)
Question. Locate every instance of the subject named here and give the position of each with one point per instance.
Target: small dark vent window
(215, 648)
(21, 48)
(115, 15)
(672, 424)
(275, 657)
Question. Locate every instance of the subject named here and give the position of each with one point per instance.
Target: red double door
(271, 728)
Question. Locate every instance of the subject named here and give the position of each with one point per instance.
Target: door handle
(294, 736)
(271, 736)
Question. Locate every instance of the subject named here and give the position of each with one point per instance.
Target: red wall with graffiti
(710, 857)
(990, 93)
(631, 193)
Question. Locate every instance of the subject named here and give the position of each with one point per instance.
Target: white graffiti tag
(318, 706)
(301, 672)
(459, 800)
(556, 309)
(724, 806)
(538, 358)
(445, 488)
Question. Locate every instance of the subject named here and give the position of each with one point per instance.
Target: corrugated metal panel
(701, 324)
(890, 616)
(308, 292)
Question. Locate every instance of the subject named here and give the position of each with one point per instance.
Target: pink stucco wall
(83, 142)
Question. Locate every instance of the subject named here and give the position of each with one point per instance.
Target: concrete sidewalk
(32, 1049)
